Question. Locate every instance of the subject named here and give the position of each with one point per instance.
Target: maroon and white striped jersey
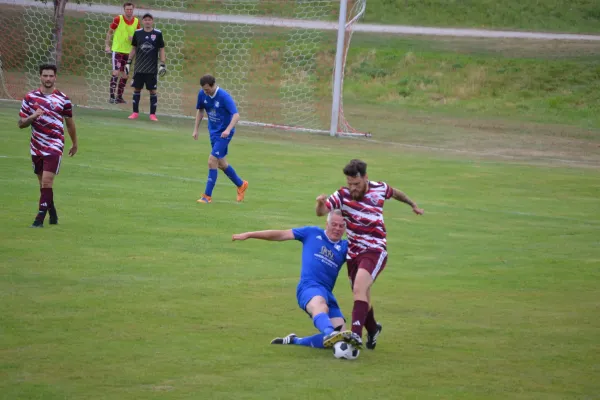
(364, 218)
(47, 132)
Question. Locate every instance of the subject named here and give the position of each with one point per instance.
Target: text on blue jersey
(322, 259)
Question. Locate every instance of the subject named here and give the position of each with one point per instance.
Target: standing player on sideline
(147, 44)
(122, 27)
(323, 255)
(361, 203)
(45, 109)
(222, 117)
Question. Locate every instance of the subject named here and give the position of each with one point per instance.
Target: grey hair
(334, 212)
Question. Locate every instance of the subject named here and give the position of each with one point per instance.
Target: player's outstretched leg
(372, 337)
(289, 339)
(241, 184)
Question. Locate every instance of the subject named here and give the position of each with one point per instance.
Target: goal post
(282, 60)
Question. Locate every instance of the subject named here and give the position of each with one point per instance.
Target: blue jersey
(322, 259)
(219, 108)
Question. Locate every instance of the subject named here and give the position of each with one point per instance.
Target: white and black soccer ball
(345, 351)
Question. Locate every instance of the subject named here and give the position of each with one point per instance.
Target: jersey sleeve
(68, 108)
(200, 102)
(115, 23)
(389, 192)
(134, 40)
(230, 104)
(302, 233)
(26, 109)
(334, 202)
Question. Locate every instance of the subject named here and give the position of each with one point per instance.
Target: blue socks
(230, 172)
(323, 323)
(211, 181)
(315, 341)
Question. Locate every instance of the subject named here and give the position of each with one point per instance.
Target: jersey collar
(330, 241)
(214, 95)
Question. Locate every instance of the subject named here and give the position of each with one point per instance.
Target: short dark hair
(148, 15)
(356, 168)
(128, 4)
(207, 80)
(48, 66)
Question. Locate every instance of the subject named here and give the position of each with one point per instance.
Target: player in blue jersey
(323, 255)
(222, 117)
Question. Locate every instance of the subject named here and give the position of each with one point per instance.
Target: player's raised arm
(272, 235)
(400, 196)
(321, 207)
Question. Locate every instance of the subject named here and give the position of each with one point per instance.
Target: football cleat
(289, 339)
(241, 191)
(372, 338)
(134, 115)
(204, 199)
(53, 219)
(120, 100)
(153, 118)
(334, 337)
(354, 340)
(37, 224)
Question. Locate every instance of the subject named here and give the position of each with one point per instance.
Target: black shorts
(139, 80)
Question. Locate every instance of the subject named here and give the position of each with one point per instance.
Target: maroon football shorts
(371, 261)
(49, 163)
(119, 60)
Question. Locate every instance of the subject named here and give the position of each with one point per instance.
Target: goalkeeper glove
(127, 67)
(162, 69)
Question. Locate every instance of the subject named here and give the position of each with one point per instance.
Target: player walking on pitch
(45, 109)
(323, 255)
(222, 118)
(147, 44)
(361, 203)
(122, 27)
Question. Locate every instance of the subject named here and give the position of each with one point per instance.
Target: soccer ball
(345, 351)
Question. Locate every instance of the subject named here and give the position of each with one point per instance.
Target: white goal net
(276, 57)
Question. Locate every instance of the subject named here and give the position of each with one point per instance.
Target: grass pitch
(139, 293)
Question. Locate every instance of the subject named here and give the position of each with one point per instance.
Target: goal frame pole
(337, 78)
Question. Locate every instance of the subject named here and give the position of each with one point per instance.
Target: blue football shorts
(219, 146)
(304, 293)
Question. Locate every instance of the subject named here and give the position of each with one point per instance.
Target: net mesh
(275, 57)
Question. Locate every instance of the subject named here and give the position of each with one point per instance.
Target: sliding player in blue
(323, 255)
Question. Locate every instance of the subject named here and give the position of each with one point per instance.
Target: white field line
(319, 25)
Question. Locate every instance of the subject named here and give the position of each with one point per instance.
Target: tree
(57, 30)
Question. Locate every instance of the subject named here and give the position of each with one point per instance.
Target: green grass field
(139, 293)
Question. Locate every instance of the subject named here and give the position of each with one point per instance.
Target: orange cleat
(204, 199)
(241, 191)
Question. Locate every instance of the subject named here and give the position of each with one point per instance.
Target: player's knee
(115, 72)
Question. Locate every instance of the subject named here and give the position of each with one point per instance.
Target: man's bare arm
(271, 235)
(73, 134)
(401, 196)
(108, 40)
(321, 207)
(162, 55)
(25, 122)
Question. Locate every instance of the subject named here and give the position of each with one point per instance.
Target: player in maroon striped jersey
(362, 203)
(45, 109)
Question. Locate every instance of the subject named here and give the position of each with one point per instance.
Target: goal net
(276, 57)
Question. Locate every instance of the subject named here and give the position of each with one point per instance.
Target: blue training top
(219, 108)
(322, 259)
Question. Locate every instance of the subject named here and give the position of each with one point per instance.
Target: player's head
(148, 21)
(208, 84)
(336, 225)
(48, 75)
(356, 178)
(128, 9)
